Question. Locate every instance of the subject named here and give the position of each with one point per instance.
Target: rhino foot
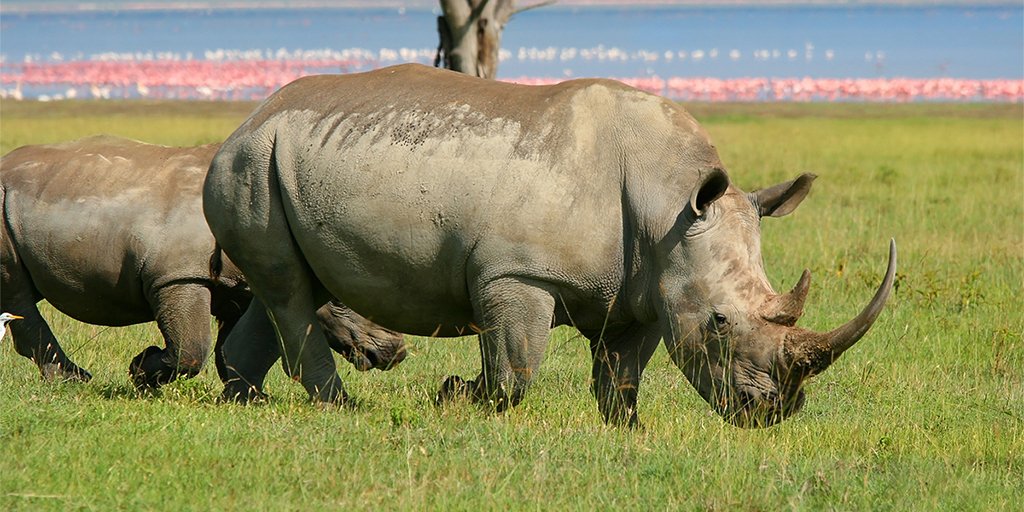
(241, 393)
(68, 372)
(453, 387)
(152, 369)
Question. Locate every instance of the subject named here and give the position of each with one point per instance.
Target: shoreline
(61, 7)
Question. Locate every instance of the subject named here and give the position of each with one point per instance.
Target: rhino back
(408, 187)
(102, 222)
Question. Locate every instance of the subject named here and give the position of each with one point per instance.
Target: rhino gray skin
(441, 204)
(109, 231)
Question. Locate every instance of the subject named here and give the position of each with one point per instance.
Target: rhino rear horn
(811, 353)
(786, 309)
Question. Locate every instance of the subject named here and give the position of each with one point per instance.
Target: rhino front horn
(812, 352)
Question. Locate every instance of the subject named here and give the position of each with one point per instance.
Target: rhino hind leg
(182, 314)
(514, 316)
(34, 340)
(248, 353)
(227, 304)
(305, 353)
(252, 229)
(32, 335)
(288, 296)
(619, 361)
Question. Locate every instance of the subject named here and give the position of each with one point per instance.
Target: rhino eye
(720, 320)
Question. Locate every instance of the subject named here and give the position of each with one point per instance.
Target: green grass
(925, 413)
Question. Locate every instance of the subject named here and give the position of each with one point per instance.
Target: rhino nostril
(372, 357)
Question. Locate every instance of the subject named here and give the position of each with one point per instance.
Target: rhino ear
(783, 198)
(712, 185)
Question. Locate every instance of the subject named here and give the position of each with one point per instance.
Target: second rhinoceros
(110, 231)
(438, 203)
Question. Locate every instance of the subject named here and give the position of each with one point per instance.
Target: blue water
(819, 42)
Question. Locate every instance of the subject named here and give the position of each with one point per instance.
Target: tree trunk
(470, 34)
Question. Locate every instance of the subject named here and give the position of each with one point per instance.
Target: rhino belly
(88, 292)
(86, 305)
(418, 288)
(388, 262)
(84, 269)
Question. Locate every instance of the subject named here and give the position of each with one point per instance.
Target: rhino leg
(224, 328)
(619, 362)
(182, 313)
(32, 335)
(249, 351)
(285, 289)
(34, 340)
(515, 318)
(227, 307)
(305, 354)
(252, 229)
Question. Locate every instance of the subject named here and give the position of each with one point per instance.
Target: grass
(926, 413)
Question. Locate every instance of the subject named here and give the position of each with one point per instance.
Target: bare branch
(534, 6)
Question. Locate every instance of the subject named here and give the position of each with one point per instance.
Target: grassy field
(925, 413)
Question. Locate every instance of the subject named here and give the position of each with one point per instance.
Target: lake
(880, 43)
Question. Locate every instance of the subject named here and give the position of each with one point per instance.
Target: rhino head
(731, 334)
(363, 343)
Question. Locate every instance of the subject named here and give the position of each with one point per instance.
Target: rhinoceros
(110, 232)
(442, 204)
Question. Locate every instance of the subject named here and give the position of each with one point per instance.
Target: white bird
(4, 318)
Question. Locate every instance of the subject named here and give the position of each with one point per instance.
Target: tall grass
(925, 413)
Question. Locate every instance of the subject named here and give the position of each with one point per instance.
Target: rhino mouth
(362, 361)
(369, 356)
(746, 410)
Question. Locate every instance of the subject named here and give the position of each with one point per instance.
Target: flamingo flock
(822, 89)
(253, 77)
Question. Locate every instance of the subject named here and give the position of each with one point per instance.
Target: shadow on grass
(126, 392)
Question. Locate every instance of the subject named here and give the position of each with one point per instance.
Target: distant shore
(60, 6)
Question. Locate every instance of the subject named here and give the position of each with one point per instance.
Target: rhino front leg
(32, 335)
(183, 315)
(514, 317)
(619, 362)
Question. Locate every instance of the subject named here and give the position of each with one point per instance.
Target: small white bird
(4, 318)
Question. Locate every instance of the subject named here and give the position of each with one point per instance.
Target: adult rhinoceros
(110, 232)
(438, 203)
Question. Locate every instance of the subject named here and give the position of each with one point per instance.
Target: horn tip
(892, 253)
(805, 281)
